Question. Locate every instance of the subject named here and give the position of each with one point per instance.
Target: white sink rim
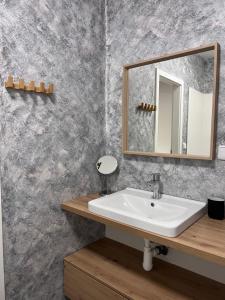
(192, 211)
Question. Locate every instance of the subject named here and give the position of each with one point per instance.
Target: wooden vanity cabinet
(108, 270)
(80, 286)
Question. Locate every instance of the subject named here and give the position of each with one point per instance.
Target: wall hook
(146, 107)
(10, 84)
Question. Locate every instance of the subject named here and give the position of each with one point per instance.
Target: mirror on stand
(106, 165)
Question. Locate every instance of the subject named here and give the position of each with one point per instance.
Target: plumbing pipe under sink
(151, 251)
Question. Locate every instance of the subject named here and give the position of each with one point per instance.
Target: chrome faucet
(156, 184)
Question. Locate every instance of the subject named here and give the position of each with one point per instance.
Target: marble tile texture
(49, 145)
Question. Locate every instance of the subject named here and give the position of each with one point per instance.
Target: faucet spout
(155, 184)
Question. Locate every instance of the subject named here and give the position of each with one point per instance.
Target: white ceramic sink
(168, 216)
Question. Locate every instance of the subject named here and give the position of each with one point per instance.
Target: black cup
(216, 208)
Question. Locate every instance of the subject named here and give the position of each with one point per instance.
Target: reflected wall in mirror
(170, 104)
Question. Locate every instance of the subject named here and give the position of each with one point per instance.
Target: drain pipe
(147, 257)
(151, 251)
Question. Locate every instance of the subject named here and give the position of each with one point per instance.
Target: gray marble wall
(49, 145)
(141, 124)
(144, 29)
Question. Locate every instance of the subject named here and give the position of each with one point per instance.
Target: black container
(216, 208)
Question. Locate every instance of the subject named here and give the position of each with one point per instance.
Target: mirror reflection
(170, 105)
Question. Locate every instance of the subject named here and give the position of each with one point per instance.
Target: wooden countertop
(105, 262)
(205, 238)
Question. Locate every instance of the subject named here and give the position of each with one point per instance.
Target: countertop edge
(191, 241)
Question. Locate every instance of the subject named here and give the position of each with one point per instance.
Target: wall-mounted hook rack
(31, 87)
(146, 107)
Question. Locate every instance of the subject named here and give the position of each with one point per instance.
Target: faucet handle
(156, 176)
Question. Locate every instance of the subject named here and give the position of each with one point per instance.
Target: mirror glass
(170, 106)
(106, 165)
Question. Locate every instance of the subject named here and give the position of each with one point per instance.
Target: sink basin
(167, 216)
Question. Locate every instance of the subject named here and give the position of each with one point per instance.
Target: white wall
(163, 141)
(2, 285)
(176, 120)
(199, 123)
(181, 259)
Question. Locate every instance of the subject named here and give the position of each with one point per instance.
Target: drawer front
(80, 286)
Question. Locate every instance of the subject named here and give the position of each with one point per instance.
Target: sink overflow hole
(152, 204)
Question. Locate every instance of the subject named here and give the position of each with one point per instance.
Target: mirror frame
(125, 101)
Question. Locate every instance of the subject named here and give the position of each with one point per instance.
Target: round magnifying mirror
(106, 165)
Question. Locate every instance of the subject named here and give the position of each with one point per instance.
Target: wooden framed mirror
(170, 104)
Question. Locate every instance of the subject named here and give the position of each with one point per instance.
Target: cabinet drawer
(80, 286)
